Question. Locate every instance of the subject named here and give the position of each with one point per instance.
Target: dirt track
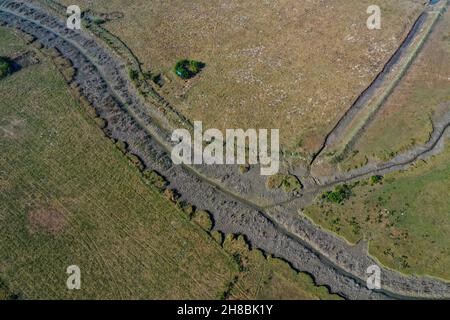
(102, 79)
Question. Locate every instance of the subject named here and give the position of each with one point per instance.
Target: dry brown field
(292, 65)
(405, 120)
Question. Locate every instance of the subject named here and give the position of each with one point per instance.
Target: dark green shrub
(196, 66)
(376, 179)
(157, 79)
(6, 67)
(339, 195)
(186, 69)
(148, 75)
(134, 75)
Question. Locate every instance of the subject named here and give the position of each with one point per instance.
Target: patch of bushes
(274, 182)
(136, 161)
(376, 179)
(68, 73)
(336, 224)
(230, 286)
(62, 62)
(288, 183)
(133, 74)
(291, 184)
(155, 78)
(187, 208)
(203, 219)
(122, 146)
(217, 236)
(87, 107)
(53, 52)
(187, 69)
(235, 243)
(65, 67)
(339, 195)
(100, 122)
(6, 67)
(147, 75)
(239, 249)
(402, 262)
(156, 179)
(172, 195)
(98, 20)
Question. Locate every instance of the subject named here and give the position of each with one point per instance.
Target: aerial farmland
(224, 150)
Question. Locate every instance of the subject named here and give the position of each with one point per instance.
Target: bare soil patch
(11, 128)
(46, 220)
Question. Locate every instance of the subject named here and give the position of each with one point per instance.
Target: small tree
(339, 195)
(6, 67)
(203, 219)
(134, 74)
(186, 69)
(376, 179)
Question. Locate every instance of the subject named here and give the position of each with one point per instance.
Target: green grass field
(406, 218)
(68, 196)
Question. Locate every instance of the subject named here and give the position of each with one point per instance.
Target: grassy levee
(341, 148)
(68, 196)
